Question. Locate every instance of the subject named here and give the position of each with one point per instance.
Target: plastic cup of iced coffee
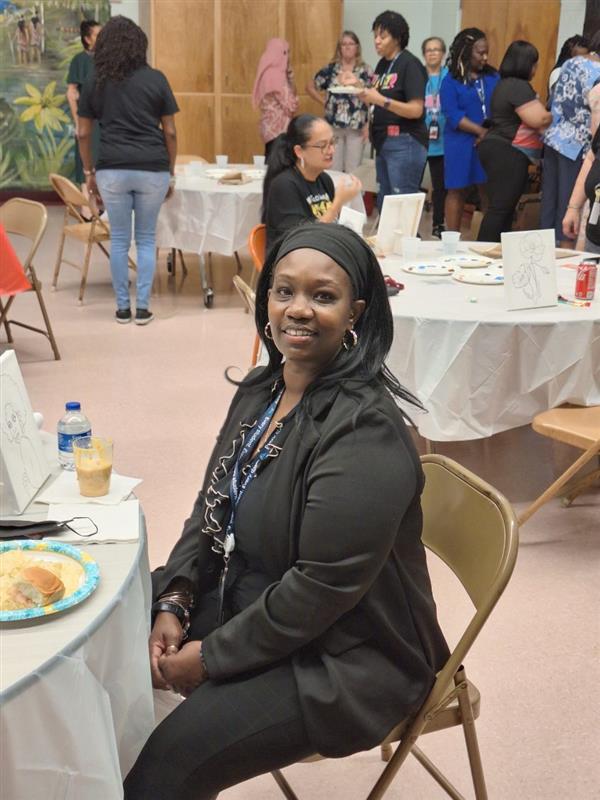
(93, 463)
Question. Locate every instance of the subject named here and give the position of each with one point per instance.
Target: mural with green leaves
(37, 43)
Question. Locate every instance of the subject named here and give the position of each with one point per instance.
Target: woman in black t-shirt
(513, 141)
(134, 106)
(398, 130)
(587, 186)
(296, 187)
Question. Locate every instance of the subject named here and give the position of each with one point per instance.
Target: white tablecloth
(75, 687)
(479, 369)
(204, 216)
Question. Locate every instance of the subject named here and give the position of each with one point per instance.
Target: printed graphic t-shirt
(293, 200)
(404, 79)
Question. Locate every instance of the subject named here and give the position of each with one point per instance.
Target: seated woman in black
(301, 569)
(296, 187)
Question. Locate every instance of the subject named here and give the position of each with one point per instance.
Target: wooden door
(209, 51)
(504, 21)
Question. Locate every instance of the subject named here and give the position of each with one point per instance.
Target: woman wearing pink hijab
(274, 91)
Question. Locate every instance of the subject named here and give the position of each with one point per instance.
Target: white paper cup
(411, 246)
(259, 161)
(222, 161)
(450, 241)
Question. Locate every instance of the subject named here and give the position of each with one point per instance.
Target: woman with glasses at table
(296, 187)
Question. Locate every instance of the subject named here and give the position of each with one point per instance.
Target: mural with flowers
(37, 42)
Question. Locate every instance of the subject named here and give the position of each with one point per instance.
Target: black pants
(506, 169)
(222, 734)
(436, 170)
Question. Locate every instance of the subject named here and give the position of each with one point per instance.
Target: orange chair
(28, 219)
(257, 244)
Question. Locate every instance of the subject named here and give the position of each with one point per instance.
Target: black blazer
(351, 600)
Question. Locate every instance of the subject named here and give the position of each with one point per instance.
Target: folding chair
(257, 244)
(473, 530)
(249, 298)
(91, 232)
(28, 219)
(579, 427)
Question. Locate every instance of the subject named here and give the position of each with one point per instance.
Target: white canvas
(529, 263)
(400, 212)
(352, 219)
(23, 467)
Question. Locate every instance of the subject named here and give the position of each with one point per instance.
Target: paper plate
(428, 268)
(216, 173)
(45, 551)
(344, 90)
(466, 262)
(487, 277)
(255, 174)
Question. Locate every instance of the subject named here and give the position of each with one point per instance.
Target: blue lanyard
(237, 489)
(391, 66)
(480, 89)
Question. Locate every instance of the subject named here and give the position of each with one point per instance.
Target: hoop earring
(351, 344)
(267, 330)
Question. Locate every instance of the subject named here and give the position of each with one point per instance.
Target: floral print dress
(569, 134)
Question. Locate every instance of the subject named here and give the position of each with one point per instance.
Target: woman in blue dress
(465, 94)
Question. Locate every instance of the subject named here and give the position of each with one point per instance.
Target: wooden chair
(90, 232)
(472, 528)
(579, 427)
(28, 219)
(248, 296)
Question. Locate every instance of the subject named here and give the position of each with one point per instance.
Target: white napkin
(65, 489)
(115, 523)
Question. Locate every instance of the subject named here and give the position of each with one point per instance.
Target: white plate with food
(428, 268)
(466, 262)
(40, 578)
(490, 277)
(255, 174)
(216, 172)
(344, 89)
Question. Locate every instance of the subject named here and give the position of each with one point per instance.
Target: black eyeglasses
(323, 146)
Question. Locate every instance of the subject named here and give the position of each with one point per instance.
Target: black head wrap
(341, 244)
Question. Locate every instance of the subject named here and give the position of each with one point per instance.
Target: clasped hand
(172, 666)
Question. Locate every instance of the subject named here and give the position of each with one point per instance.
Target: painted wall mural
(37, 42)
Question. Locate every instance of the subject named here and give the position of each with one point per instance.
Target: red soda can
(585, 283)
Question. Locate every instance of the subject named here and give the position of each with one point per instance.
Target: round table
(479, 369)
(205, 216)
(75, 688)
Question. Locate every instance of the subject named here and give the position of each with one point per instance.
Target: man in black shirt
(398, 130)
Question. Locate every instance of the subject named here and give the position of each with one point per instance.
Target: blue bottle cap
(73, 406)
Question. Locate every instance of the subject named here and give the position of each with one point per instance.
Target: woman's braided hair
(461, 50)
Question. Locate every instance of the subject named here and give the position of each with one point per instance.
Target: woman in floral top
(568, 138)
(347, 115)
(274, 91)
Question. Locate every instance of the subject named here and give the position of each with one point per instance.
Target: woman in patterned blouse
(347, 115)
(274, 92)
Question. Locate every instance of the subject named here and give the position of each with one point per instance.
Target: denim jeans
(127, 191)
(399, 165)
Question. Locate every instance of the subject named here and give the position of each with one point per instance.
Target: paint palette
(216, 173)
(492, 277)
(466, 262)
(428, 268)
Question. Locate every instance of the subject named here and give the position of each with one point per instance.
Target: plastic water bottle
(73, 424)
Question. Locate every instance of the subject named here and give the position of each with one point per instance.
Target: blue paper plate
(91, 576)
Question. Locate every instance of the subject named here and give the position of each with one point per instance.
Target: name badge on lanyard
(595, 212)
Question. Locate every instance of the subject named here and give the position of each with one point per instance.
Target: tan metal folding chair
(249, 298)
(579, 427)
(472, 528)
(28, 219)
(94, 231)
